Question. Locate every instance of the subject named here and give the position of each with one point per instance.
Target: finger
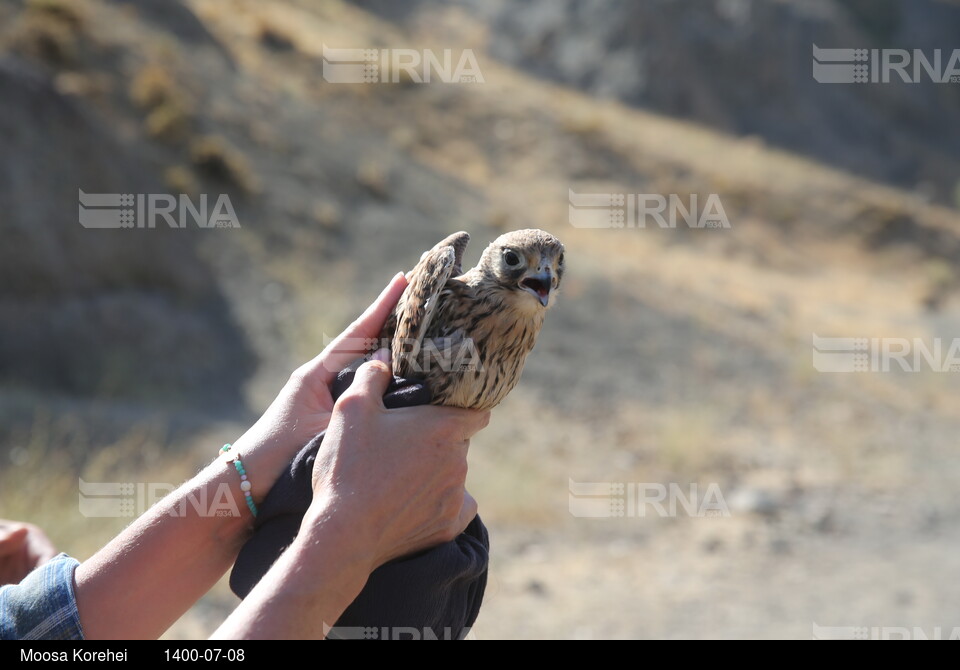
(449, 424)
(370, 382)
(353, 342)
(12, 540)
(44, 555)
(40, 546)
(464, 423)
(475, 421)
(468, 511)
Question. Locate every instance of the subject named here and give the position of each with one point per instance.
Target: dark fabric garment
(434, 594)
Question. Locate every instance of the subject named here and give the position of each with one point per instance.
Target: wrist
(219, 485)
(327, 523)
(305, 592)
(326, 563)
(260, 460)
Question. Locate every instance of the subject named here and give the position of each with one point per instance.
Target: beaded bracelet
(245, 484)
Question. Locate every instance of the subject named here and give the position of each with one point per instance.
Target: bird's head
(529, 264)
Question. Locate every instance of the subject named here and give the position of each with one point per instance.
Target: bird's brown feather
(442, 313)
(418, 303)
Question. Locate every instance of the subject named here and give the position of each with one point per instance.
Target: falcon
(468, 334)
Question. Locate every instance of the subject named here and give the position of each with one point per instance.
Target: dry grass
(328, 215)
(49, 31)
(71, 13)
(215, 159)
(670, 357)
(375, 178)
(181, 179)
(275, 38)
(57, 449)
(155, 90)
(154, 86)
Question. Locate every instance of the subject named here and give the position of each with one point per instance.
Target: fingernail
(382, 355)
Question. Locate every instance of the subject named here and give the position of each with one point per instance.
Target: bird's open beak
(540, 284)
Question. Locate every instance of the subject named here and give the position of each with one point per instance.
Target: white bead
(245, 486)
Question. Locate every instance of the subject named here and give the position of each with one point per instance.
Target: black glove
(436, 593)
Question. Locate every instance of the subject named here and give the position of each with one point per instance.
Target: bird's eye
(511, 258)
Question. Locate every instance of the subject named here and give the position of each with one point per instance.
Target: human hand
(392, 480)
(23, 547)
(303, 407)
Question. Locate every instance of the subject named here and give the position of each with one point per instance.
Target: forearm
(159, 566)
(307, 589)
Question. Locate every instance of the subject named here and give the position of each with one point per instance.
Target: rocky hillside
(742, 67)
(675, 355)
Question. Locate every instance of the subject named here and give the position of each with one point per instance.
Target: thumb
(353, 342)
(468, 511)
(12, 539)
(372, 379)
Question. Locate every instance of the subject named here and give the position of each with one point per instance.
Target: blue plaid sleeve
(43, 606)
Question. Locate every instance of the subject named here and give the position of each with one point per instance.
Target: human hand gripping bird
(468, 334)
(458, 339)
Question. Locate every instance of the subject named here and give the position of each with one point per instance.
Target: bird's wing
(418, 304)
